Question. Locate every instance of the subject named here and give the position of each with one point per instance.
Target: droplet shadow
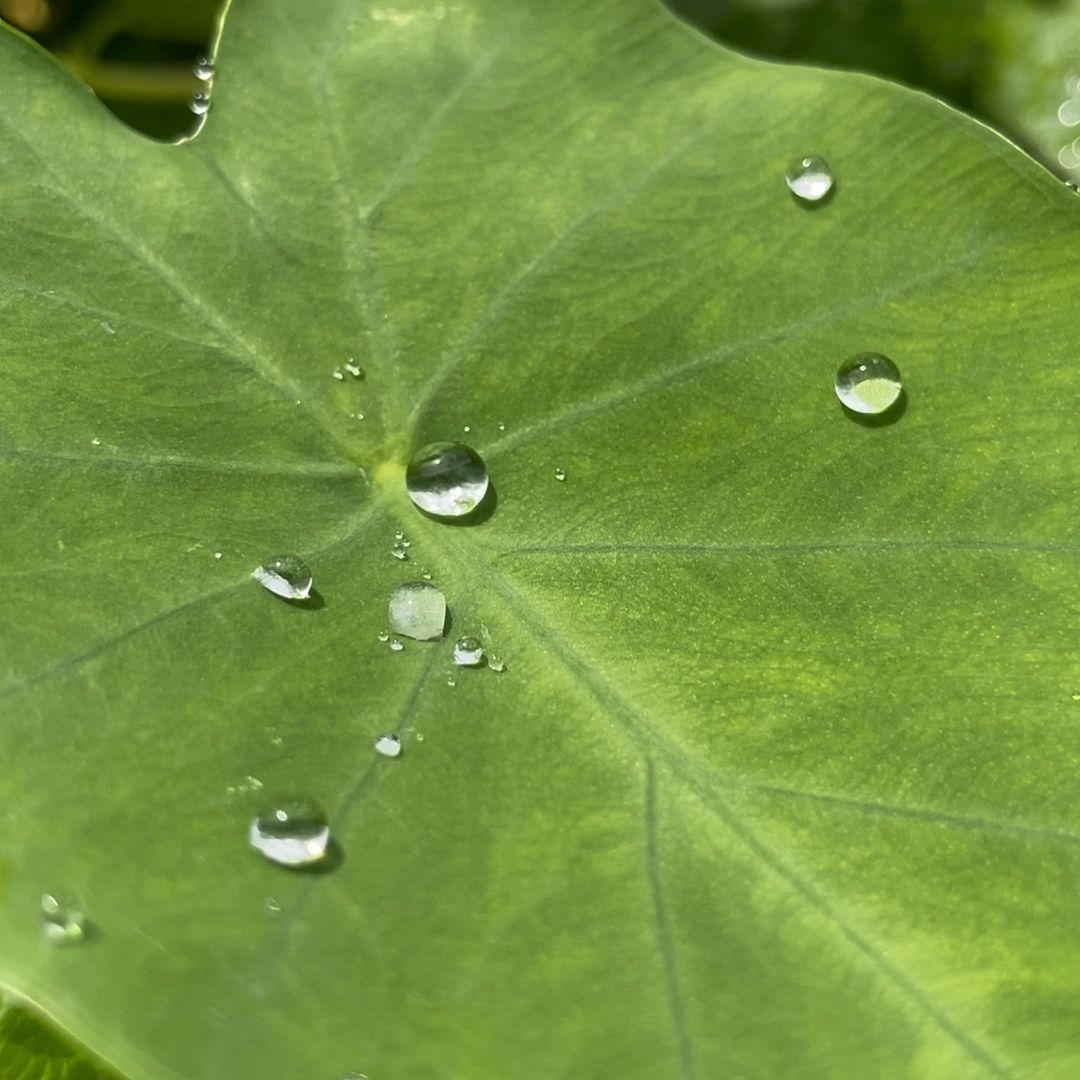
(883, 419)
(314, 601)
(477, 516)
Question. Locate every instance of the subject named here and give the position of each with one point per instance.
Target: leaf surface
(779, 780)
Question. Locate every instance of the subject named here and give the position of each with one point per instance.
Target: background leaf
(779, 778)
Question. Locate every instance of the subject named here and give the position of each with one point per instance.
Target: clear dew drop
(809, 179)
(398, 552)
(388, 745)
(294, 833)
(95, 441)
(450, 680)
(384, 636)
(339, 374)
(273, 907)
(447, 479)
(354, 369)
(426, 575)
(468, 652)
(285, 575)
(560, 475)
(496, 663)
(868, 383)
(63, 918)
(204, 69)
(199, 103)
(502, 427)
(396, 645)
(418, 611)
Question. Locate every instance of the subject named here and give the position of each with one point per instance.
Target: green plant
(778, 780)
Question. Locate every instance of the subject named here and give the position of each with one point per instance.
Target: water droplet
(95, 441)
(204, 69)
(466, 429)
(285, 575)
(868, 383)
(293, 833)
(809, 179)
(450, 680)
(63, 920)
(418, 610)
(425, 574)
(273, 907)
(199, 103)
(388, 745)
(384, 636)
(496, 663)
(502, 427)
(446, 479)
(339, 374)
(560, 474)
(468, 652)
(1068, 112)
(354, 369)
(396, 646)
(419, 736)
(217, 554)
(402, 539)
(398, 552)
(359, 416)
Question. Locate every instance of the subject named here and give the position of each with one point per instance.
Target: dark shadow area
(879, 420)
(314, 602)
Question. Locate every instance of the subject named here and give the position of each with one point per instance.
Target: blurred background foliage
(1013, 63)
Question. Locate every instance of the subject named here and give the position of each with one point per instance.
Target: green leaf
(30, 1051)
(779, 778)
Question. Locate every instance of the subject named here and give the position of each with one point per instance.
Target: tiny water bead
(294, 833)
(199, 103)
(398, 551)
(809, 179)
(388, 745)
(384, 636)
(560, 475)
(204, 69)
(496, 663)
(418, 610)
(468, 652)
(447, 479)
(354, 369)
(284, 575)
(868, 383)
(63, 919)
(396, 645)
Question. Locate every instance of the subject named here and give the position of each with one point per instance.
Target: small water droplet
(496, 663)
(388, 745)
(217, 554)
(63, 920)
(1068, 112)
(359, 416)
(466, 429)
(293, 833)
(273, 907)
(402, 539)
(285, 575)
(468, 652)
(1072, 185)
(384, 636)
(339, 374)
(868, 383)
(199, 103)
(396, 645)
(354, 369)
(204, 69)
(108, 328)
(418, 610)
(425, 574)
(446, 479)
(450, 680)
(560, 474)
(95, 441)
(398, 552)
(502, 427)
(809, 179)
(419, 736)
(1076, 695)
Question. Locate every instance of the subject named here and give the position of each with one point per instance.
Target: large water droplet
(447, 479)
(63, 920)
(294, 833)
(868, 383)
(388, 745)
(418, 610)
(468, 652)
(284, 575)
(809, 179)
